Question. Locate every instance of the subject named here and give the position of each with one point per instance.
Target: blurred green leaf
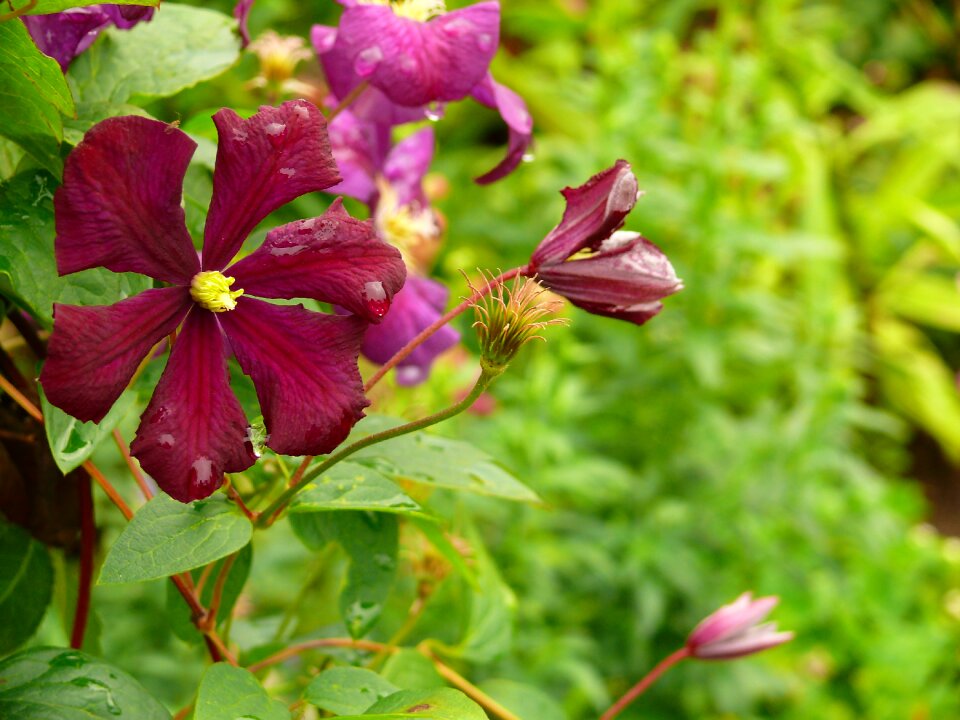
(179, 48)
(525, 701)
(232, 693)
(411, 670)
(63, 684)
(26, 586)
(347, 690)
(33, 96)
(166, 537)
(441, 704)
(72, 442)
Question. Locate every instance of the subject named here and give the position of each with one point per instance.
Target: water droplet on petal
(527, 157)
(433, 112)
(166, 441)
(485, 41)
(301, 112)
(376, 297)
(407, 63)
(306, 226)
(159, 416)
(201, 471)
(367, 60)
(274, 128)
(457, 27)
(288, 172)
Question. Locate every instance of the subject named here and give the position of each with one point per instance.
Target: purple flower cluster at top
(66, 34)
(409, 57)
(119, 208)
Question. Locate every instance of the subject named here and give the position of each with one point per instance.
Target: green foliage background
(800, 162)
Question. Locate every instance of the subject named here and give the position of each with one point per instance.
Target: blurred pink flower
(732, 631)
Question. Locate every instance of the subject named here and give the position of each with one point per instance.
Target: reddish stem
(109, 489)
(294, 650)
(649, 679)
(405, 351)
(298, 475)
(21, 399)
(87, 539)
(134, 468)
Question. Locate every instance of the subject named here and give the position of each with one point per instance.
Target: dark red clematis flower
(119, 208)
(597, 266)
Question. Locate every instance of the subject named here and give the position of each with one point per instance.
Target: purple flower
(119, 208)
(66, 34)
(390, 181)
(732, 631)
(415, 57)
(595, 265)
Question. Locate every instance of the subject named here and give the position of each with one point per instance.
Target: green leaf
(45, 7)
(61, 684)
(370, 540)
(179, 613)
(179, 48)
(33, 96)
(232, 693)
(411, 670)
(349, 486)
(26, 585)
(346, 690)
(167, 537)
(437, 461)
(525, 701)
(72, 441)
(90, 113)
(438, 704)
(28, 267)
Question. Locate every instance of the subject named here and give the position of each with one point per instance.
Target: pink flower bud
(732, 631)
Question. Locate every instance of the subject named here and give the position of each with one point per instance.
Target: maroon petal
(262, 163)
(193, 429)
(625, 279)
(514, 112)
(333, 258)
(415, 63)
(241, 11)
(65, 35)
(594, 211)
(119, 205)
(304, 367)
(94, 351)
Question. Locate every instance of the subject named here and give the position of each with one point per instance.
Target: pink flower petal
(262, 163)
(594, 211)
(94, 351)
(304, 367)
(193, 429)
(514, 112)
(333, 258)
(119, 205)
(406, 164)
(415, 63)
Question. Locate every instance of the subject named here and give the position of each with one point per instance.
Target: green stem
(487, 375)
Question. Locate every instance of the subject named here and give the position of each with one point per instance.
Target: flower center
(412, 230)
(211, 291)
(419, 10)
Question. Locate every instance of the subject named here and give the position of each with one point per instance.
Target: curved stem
(18, 11)
(217, 596)
(649, 679)
(294, 650)
(405, 351)
(109, 489)
(487, 376)
(467, 687)
(87, 540)
(20, 399)
(134, 469)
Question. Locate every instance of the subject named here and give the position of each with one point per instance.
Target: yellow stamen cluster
(420, 10)
(211, 291)
(415, 232)
(509, 317)
(279, 56)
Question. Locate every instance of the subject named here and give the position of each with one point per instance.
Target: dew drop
(201, 471)
(457, 27)
(68, 659)
(301, 112)
(166, 441)
(282, 250)
(159, 416)
(240, 135)
(376, 297)
(306, 226)
(433, 112)
(274, 128)
(527, 157)
(485, 41)
(367, 60)
(383, 561)
(288, 172)
(100, 688)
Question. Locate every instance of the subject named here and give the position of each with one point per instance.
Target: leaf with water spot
(167, 537)
(63, 684)
(232, 693)
(346, 690)
(437, 704)
(26, 584)
(371, 541)
(350, 486)
(431, 459)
